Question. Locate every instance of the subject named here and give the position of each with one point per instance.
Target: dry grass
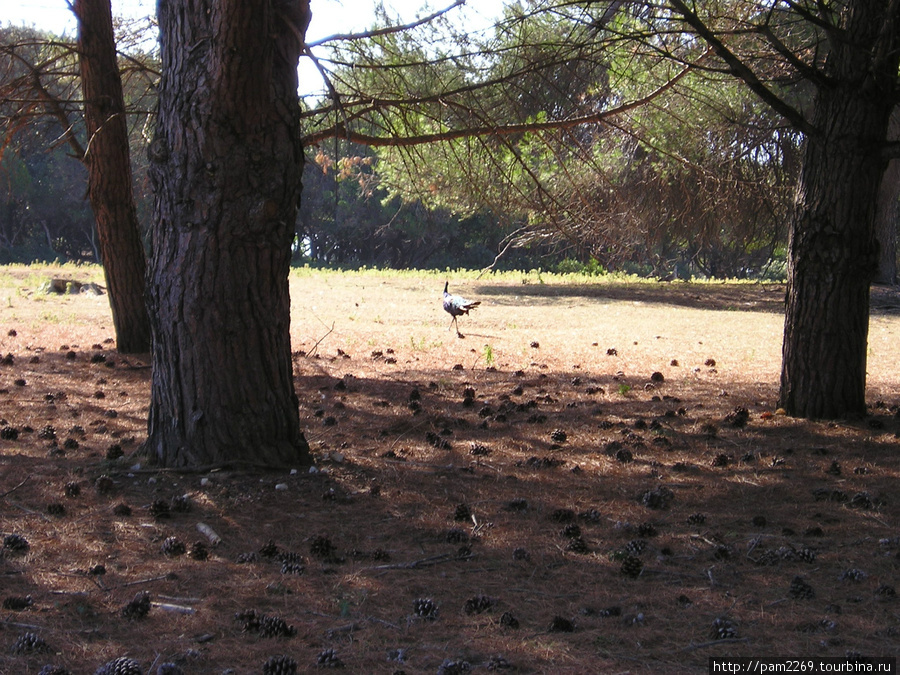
(538, 359)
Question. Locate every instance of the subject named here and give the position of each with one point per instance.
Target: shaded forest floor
(594, 480)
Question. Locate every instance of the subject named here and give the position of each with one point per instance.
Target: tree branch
(741, 70)
(388, 30)
(340, 130)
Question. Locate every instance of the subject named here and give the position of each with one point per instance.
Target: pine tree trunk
(887, 214)
(226, 166)
(109, 171)
(833, 254)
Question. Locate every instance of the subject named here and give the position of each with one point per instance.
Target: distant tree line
(667, 195)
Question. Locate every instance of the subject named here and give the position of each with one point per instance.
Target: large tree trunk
(227, 163)
(833, 250)
(887, 213)
(109, 170)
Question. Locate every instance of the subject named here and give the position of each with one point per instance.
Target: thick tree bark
(226, 167)
(109, 169)
(887, 213)
(833, 252)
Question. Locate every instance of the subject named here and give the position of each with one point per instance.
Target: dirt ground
(594, 480)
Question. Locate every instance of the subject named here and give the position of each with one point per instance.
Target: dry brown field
(594, 480)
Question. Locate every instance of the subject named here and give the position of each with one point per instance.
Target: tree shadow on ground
(759, 297)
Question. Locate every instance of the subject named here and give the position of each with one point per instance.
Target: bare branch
(388, 30)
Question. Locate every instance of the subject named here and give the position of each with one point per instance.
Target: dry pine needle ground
(593, 480)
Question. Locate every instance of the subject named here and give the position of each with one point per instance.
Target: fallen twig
(316, 346)
(11, 490)
(141, 581)
(424, 562)
(714, 643)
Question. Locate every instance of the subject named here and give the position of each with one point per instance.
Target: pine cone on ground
(507, 619)
(632, 567)
(275, 626)
(54, 670)
(723, 629)
(30, 643)
(159, 509)
(199, 551)
(17, 603)
(800, 589)
(425, 608)
(329, 659)
(169, 669)
(120, 666)
(16, 543)
(280, 665)
(139, 607)
(173, 547)
(479, 604)
(249, 619)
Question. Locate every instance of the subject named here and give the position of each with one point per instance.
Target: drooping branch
(739, 68)
(341, 130)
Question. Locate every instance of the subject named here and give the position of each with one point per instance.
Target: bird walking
(457, 306)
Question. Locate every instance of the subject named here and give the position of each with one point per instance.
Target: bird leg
(455, 324)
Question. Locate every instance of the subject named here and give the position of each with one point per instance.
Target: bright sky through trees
(329, 18)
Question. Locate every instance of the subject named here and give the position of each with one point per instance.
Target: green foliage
(489, 355)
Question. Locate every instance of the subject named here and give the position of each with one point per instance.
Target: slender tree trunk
(887, 214)
(226, 167)
(109, 169)
(833, 253)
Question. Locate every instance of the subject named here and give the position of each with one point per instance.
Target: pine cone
(449, 667)
(160, 509)
(181, 504)
(54, 670)
(173, 547)
(30, 643)
(498, 662)
(723, 629)
(647, 530)
(321, 547)
(199, 551)
(800, 589)
(560, 624)
(806, 554)
(280, 665)
(658, 498)
(329, 659)
(853, 574)
(139, 606)
(636, 546)
(169, 669)
(571, 531)
(425, 608)
(632, 567)
(249, 619)
(479, 604)
(17, 603)
(462, 513)
(104, 484)
(120, 666)
(577, 545)
(292, 568)
(269, 550)
(275, 626)
(16, 543)
(507, 619)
